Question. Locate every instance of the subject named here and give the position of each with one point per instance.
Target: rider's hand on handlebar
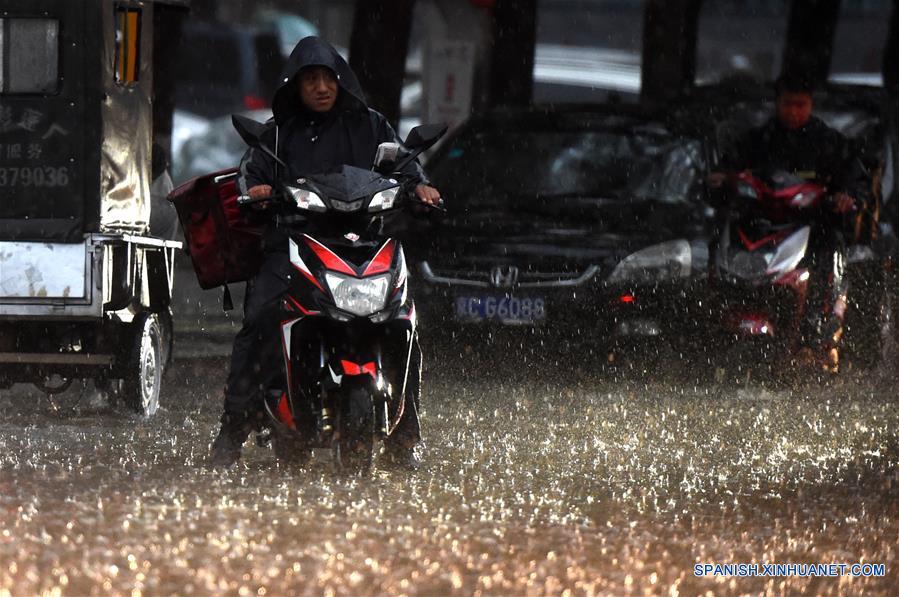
(716, 180)
(262, 191)
(842, 203)
(428, 194)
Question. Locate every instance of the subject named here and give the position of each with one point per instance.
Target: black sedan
(578, 224)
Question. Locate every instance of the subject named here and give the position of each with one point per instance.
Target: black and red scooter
(348, 325)
(760, 271)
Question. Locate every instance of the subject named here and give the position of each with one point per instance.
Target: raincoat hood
(314, 51)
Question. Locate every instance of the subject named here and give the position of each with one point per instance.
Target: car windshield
(610, 164)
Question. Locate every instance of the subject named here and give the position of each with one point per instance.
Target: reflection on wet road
(527, 486)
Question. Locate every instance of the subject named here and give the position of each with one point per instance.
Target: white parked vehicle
(85, 288)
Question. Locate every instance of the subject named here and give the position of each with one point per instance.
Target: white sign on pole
(449, 79)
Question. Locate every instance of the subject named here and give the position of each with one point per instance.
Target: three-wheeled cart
(85, 287)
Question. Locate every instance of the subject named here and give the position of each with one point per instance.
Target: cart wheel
(143, 366)
(168, 334)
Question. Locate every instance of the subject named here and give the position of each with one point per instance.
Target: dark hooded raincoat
(814, 151)
(314, 143)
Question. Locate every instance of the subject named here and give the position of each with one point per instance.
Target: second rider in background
(796, 141)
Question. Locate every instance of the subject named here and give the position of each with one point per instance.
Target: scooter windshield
(780, 179)
(350, 184)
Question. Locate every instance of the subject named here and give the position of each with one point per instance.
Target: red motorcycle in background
(759, 274)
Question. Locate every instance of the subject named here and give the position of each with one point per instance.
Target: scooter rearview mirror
(248, 129)
(251, 133)
(424, 136)
(419, 139)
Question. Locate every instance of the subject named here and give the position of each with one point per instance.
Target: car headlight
(307, 199)
(384, 199)
(666, 260)
(359, 296)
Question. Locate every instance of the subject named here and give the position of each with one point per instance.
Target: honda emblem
(504, 276)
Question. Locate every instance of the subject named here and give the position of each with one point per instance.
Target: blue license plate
(509, 310)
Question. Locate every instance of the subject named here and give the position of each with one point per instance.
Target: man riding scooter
(321, 122)
(795, 141)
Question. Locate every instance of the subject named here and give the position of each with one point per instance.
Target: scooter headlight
(790, 252)
(747, 191)
(359, 296)
(384, 199)
(805, 198)
(307, 199)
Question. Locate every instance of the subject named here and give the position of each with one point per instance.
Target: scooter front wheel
(355, 432)
(289, 448)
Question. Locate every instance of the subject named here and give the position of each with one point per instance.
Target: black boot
(227, 444)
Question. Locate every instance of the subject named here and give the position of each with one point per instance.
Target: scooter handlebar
(438, 207)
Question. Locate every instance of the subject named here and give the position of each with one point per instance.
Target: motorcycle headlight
(359, 296)
(805, 198)
(384, 199)
(347, 206)
(666, 260)
(307, 200)
(747, 191)
(790, 252)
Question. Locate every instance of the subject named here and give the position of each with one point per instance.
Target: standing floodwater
(527, 486)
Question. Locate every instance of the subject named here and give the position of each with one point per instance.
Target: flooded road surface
(527, 486)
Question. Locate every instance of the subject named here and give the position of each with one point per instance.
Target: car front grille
(507, 277)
